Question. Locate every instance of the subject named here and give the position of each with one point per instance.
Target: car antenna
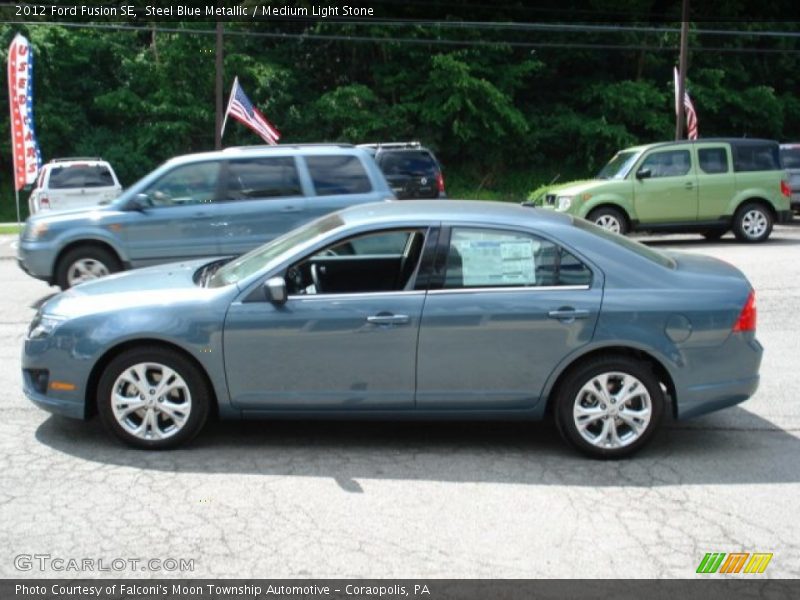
(552, 181)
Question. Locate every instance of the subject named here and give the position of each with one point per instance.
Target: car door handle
(387, 319)
(219, 224)
(291, 209)
(689, 185)
(568, 314)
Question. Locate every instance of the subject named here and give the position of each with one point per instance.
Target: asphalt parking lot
(414, 500)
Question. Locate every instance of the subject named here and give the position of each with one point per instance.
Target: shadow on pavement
(708, 452)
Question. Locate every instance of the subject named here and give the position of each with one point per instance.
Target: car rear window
(627, 243)
(80, 176)
(790, 157)
(755, 156)
(408, 162)
(333, 175)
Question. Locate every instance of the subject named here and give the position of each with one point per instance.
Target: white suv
(66, 183)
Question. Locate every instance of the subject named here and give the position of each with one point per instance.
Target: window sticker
(496, 260)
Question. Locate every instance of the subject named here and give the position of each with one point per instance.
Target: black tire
(752, 223)
(714, 234)
(607, 215)
(104, 259)
(199, 398)
(571, 393)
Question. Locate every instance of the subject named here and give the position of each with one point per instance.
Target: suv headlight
(42, 326)
(34, 231)
(563, 202)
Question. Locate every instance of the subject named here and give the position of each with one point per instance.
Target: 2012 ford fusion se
(412, 310)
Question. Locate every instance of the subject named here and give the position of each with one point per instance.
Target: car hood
(154, 286)
(573, 188)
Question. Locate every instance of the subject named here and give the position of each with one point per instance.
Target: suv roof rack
(379, 145)
(279, 146)
(71, 158)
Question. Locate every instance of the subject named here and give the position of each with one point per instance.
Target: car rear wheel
(85, 263)
(752, 223)
(610, 407)
(610, 219)
(153, 398)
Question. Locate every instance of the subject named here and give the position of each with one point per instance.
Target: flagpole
(228, 108)
(218, 90)
(682, 70)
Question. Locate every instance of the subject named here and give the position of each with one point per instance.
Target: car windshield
(637, 247)
(790, 157)
(255, 260)
(618, 167)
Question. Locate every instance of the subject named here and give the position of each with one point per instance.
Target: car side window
(262, 177)
(188, 184)
(334, 175)
(384, 261)
(712, 160)
(479, 258)
(669, 163)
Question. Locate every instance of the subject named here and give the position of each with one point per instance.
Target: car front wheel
(609, 407)
(85, 263)
(153, 398)
(752, 223)
(610, 219)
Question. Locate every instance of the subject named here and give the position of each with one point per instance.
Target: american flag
(241, 109)
(688, 108)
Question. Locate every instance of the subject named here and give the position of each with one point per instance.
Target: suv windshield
(618, 167)
(255, 260)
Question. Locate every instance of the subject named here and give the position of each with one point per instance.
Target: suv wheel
(609, 407)
(610, 219)
(85, 263)
(752, 223)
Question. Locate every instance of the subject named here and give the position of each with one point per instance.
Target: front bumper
(36, 259)
(45, 355)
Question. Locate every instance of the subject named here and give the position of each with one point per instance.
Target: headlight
(563, 202)
(42, 326)
(34, 231)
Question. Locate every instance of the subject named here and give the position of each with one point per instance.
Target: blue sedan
(412, 310)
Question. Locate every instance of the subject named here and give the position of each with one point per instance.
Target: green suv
(707, 186)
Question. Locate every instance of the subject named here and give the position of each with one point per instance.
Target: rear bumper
(785, 216)
(703, 399)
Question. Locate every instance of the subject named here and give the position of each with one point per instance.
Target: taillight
(44, 202)
(440, 182)
(747, 318)
(785, 189)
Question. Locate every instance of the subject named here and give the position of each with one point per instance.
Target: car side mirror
(643, 174)
(139, 202)
(275, 290)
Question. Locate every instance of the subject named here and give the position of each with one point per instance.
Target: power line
(396, 40)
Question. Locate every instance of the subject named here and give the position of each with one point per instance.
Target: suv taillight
(440, 182)
(747, 318)
(785, 189)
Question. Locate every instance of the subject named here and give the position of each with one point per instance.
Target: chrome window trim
(354, 295)
(507, 289)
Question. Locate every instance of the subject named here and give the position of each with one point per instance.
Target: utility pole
(218, 66)
(682, 70)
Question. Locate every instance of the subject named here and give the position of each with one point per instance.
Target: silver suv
(66, 183)
(201, 205)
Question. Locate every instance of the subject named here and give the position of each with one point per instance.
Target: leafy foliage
(503, 117)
